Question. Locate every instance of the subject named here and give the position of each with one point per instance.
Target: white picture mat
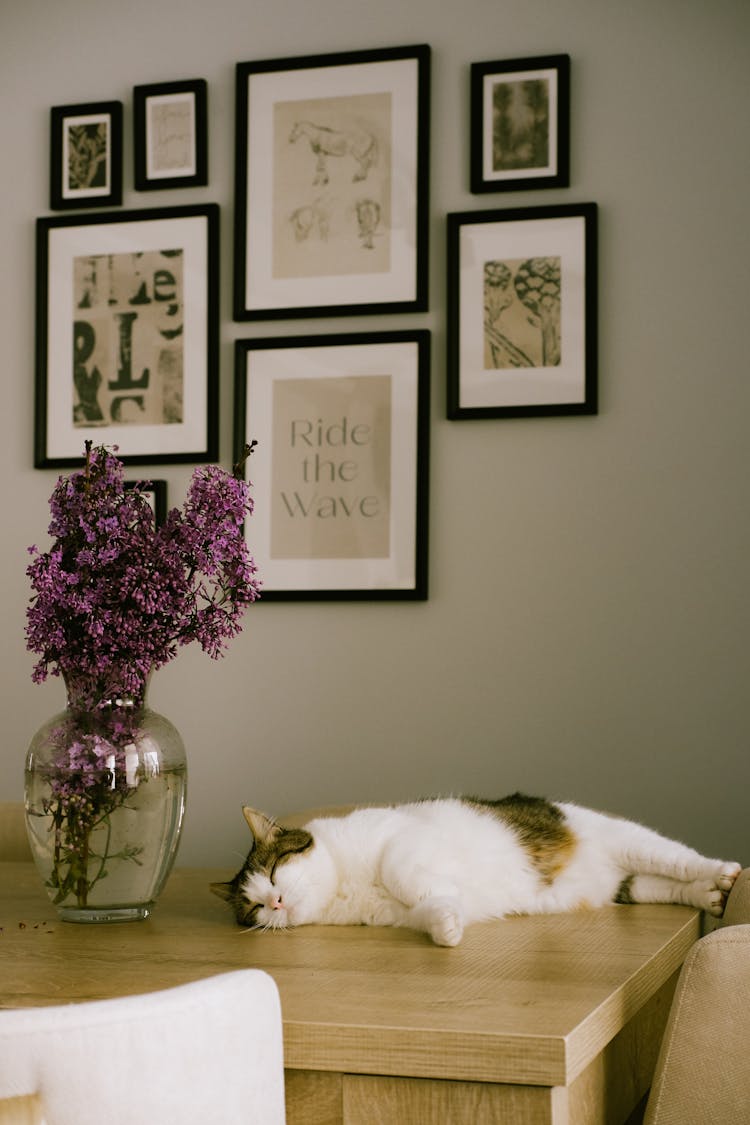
(489, 172)
(401, 361)
(262, 289)
(188, 168)
(190, 234)
(554, 237)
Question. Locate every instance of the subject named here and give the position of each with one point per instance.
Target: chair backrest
(22, 1111)
(202, 1052)
(14, 842)
(737, 910)
(702, 1073)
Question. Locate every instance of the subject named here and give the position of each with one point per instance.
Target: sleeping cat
(438, 865)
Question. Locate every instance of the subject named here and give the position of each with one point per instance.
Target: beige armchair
(702, 1074)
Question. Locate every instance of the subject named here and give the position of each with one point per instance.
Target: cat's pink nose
(276, 903)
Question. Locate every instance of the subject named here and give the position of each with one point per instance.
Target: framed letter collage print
(127, 335)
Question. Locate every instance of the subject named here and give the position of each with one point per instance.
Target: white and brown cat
(439, 865)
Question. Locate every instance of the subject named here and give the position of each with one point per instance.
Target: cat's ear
(264, 829)
(293, 840)
(223, 890)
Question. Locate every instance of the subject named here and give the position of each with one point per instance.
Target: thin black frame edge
(423, 338)
(212, 213)
(196, 86)
(477, 184)
(159, 489)
(454, 221)
(58, 113)
(423, 53)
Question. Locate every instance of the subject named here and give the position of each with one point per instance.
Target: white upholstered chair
(210, 1051)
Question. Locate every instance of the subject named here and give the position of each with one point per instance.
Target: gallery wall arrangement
(331, 218)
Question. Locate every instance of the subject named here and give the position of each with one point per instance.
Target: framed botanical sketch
(340, 471)
(155, 491)
(522, 312)
(86, 155)
(520, 124)
(127, 335)
(170, 135)
(332, 162)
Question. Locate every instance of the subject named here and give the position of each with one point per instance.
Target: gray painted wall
(586, 634)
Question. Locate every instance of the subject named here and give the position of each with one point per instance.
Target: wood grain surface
(525, 1002)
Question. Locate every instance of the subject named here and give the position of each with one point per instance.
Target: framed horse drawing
(331, 180)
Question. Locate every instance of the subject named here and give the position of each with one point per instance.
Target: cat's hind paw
(713, 901)
(712, 895)
(727, 876)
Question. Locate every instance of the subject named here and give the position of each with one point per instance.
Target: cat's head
(268, 888)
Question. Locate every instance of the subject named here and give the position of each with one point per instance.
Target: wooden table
(531, 1020)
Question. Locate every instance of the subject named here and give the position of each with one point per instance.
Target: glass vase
(105, 790)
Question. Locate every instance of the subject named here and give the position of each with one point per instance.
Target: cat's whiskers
(274, 923)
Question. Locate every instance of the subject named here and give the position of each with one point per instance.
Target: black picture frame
(127, 335)
(155, 492)
(170, 135)
(522, 312)
(321, 144)
(86, 155)
(341, 469)
(520, 124)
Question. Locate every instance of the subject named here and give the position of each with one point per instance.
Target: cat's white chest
(360, 903)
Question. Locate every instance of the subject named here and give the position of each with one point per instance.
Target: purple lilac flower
(115, 597)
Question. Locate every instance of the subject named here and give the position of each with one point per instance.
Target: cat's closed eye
(247, 913)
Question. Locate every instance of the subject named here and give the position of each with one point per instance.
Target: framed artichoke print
(332, 162)
(127, 335)
(86, 155)
(522, 312)
(340, 470)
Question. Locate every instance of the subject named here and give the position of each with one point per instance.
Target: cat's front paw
(712, 894)
(446, 924)
(726, 876)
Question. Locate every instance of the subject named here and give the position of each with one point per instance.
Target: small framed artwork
(170, 135)
(332, 163)
(127, 335)
(340, 471)
(522, 312)
(155, 491)
(520, 124)
(86, 155)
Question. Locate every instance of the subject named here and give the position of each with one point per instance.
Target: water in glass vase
(104, 812)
